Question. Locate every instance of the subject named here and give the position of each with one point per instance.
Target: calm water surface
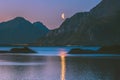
(52, 63)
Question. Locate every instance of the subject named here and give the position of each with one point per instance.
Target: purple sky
(46, 11)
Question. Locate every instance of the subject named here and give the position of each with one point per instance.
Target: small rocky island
(102, 50)
(19, 50)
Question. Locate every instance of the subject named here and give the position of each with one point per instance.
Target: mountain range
(21, 31)
(99, 26)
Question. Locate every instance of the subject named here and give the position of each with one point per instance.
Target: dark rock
(22, 50)
(19, 50)
(79, 51)
(103, 50)
(75, 51)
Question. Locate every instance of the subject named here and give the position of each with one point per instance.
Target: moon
(63, 16)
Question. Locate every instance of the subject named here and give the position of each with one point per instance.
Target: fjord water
(52, 63)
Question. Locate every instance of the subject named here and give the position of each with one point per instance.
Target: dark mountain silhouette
(21, 31)
(106, 8)
(41, 27)
(99, 26)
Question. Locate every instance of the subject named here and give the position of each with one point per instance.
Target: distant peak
(19, 18)
(38, 23)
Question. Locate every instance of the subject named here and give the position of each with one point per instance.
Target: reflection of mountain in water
(51, 67)
(21, 57)
(92, 68)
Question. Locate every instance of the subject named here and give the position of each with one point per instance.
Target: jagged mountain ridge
(89, 28)
(21, 31)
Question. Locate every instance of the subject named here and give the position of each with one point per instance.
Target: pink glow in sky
(46, 11)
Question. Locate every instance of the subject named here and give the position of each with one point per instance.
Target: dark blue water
(52, 63)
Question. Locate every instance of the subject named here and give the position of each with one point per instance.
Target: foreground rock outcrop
(80, 51)
(19, 50)
(102, 50)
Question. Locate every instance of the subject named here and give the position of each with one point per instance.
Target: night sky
(46, 11)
